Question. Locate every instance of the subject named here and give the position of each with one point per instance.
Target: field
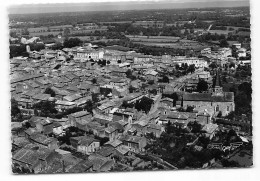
(153, 39)
(165, 41)
(55, 33)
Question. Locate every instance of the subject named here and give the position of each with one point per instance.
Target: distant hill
(112, 6)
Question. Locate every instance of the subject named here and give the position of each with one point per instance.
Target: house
(135, 143)
(17, 128)
(133, 97)
(151, 75)
(85, 144)
(101, 163)
(210, 130)
(140, 59)
(119, 72)
(34, 157)
(155, 129)
(64, 105)
(72, 98)
(30, 131)
(57, 128)
(122, 151)
(241, 52)
(166, 102)
(203, 75)
(106, 107)
(41, 97)
(111, 133)
(42, 124)
(107, 152)
(114, 143)
(82, 115)
(42, 140)
(19, 142)
(81, 167)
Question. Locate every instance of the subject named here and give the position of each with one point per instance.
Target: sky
(105, 5)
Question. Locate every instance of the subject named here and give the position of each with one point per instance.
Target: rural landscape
(130, 89)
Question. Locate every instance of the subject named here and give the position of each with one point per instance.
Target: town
(131, 90)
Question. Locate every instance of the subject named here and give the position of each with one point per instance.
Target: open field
(55, 33)
(175, 45)
(153, 39)
(164, 41)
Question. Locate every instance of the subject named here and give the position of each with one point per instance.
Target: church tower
(217, 86)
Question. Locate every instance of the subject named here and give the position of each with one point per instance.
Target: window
(217, 108)
(227, 108)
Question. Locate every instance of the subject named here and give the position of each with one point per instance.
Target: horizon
(122, 6)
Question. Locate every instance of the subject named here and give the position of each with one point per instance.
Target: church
(215, 103)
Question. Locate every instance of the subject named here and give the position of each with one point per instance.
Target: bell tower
(217, 86)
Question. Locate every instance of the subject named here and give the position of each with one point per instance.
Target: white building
(90, 54)
(206, 51)
(225, 52)
(241, 52)
(198, 62)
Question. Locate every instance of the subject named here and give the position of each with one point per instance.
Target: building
(198, 62)
(135, 143)
(149, 24)
(85, 144)
(78, 116)
(215, 102)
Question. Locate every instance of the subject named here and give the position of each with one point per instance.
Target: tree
(153, 91)
(202, 86)
(213, 65)
(50, 91)
(195, 127)
(45, 108)
(165, 79)
(189, 109)
(37, 46)
(66, 32)
(246, 88)
(185, 66)
(95, 97)
(233, 89)
(128, 73)
(94, 81)
(151, 82)
(231, 115)
(89, 106)
(126, 105)
(223, 43)
(219, 114)
(131, 89)
(72, 42)
(144, 104)
(191, 68)
(232, 65)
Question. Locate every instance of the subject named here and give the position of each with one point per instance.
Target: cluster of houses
(76, 78)
(225, 56)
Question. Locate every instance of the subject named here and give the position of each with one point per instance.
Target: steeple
(217, 79)
(217, 86)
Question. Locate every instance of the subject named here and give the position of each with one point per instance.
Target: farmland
(165, 41)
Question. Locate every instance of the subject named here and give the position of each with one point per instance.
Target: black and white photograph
(130, 86)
